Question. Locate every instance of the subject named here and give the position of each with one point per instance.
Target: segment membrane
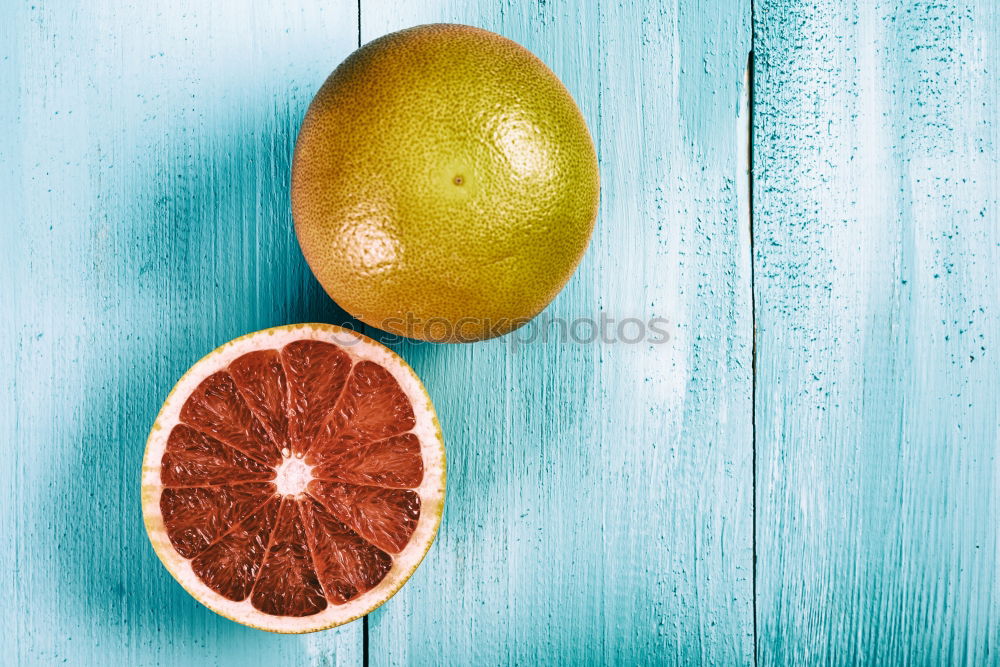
(230, 566)
(347, 565)
(373, 407)
(394, 463)
(196, 517)
(384, 517)
(287, 584)
(217, 409)
(316, 372)
(260, 379)
(195, 459)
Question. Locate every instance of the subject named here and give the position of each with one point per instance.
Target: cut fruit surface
(294, 478)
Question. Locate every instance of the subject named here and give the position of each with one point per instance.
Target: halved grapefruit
(294, 478)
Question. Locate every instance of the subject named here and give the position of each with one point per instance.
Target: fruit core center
(293, 476)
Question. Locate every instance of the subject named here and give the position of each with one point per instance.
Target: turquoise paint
(600, 496)
(876, 257)
(145, 221)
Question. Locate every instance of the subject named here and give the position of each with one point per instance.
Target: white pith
(431, 489)
(293, 474)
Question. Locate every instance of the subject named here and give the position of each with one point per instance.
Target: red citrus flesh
(290, 478)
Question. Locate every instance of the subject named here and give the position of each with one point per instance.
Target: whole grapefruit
(444, 184)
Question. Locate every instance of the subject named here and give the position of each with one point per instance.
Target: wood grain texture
(145, 220)
(600, 495)
(599, 500)
(877, 251)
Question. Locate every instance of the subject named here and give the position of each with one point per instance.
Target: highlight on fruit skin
(444, 184)
(294, 478)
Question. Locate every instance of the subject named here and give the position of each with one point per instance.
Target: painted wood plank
(877, 254)
(145, 220)
(599, 502)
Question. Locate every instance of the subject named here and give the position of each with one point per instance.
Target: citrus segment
(260, 379)
(317, 373)
(384, 517)
(393, 463)
(195, 459)
(287, 584)
(294, 479)
(217, 409)
(197, 516)
(347, 565)
(372, 407)
(230, 566)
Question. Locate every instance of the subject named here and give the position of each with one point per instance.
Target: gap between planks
(746, 139)
(746, 132)
(749, 102)
(364, 621)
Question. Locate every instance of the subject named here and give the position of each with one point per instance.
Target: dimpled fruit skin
(444, 184)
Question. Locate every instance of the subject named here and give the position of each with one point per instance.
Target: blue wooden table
(806, 473)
